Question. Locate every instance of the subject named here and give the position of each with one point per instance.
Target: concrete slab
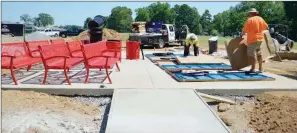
(133, 73)
(143, 74)
(161, 111)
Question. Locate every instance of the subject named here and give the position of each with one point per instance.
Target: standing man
(191, 39)
(254, 27)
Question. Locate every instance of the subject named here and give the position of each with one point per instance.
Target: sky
(75, 13)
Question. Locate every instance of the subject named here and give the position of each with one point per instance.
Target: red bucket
(132, 50)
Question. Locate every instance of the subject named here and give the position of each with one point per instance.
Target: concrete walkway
(161, 111)
(141, 74)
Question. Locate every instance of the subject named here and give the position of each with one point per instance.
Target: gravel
(103, 102)
(37, 36)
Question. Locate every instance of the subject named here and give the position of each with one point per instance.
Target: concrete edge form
(62, 90)
(68, 92)
(239, 91)
(218, 118)
(107, 129)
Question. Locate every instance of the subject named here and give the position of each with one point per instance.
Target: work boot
(252, 70)
(261, 70)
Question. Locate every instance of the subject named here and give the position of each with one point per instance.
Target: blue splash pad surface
(198, 66)
(235, 76)
(173, 55)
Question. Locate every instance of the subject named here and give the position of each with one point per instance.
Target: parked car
(70, 32)
(50, 32)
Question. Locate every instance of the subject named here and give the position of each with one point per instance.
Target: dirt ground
(32, 112)
(268, 112)
(287, 68)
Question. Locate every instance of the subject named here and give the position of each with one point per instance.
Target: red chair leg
(13, 77)
(45, 75)
(29, 67)
(87, 76)
(120, 56)
(67, 78)
(118, 66)
(107, 73)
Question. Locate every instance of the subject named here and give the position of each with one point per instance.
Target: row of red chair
(58, 54)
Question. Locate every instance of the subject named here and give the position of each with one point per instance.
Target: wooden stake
(224, 100)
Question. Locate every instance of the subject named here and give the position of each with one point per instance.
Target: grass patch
(203, 40)
(126, 35)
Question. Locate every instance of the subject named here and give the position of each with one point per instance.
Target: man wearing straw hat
(254, 27)
(191, 39)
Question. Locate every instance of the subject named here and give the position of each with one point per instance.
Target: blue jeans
(187, 50)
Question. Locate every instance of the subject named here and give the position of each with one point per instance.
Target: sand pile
(275, 113)
(108, 34)
(24, 111)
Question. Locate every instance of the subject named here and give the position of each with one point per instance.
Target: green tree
(120, 19)
(161, 12)
(186, 15)
(36, 22)
(142, 14)
(291, 10)
(218, 22)
(206, 22)
(43, 19)
(86, 22)
(231, 21)
(214, 32)
(106, 21)
(26, 18)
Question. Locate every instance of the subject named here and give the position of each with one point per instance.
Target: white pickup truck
(50, 32)
(169, 35)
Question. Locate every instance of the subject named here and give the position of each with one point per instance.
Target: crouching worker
(191, 39)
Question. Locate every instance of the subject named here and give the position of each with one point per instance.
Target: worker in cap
(254, 28)
(191, 39)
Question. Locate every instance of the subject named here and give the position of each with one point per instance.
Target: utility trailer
(168, 35)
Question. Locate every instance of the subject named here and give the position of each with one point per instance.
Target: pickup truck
(70, 32)
(168, 34)
(50, 32)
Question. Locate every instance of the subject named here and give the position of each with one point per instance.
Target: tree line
(226, 23)
(42, 20)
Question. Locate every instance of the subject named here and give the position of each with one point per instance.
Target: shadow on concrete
(290, 76)
(105, 118)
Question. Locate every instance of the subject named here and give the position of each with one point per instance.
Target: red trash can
(132, 50)
(116, 45)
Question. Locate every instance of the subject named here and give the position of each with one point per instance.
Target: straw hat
(253, 10)
(193, 37)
